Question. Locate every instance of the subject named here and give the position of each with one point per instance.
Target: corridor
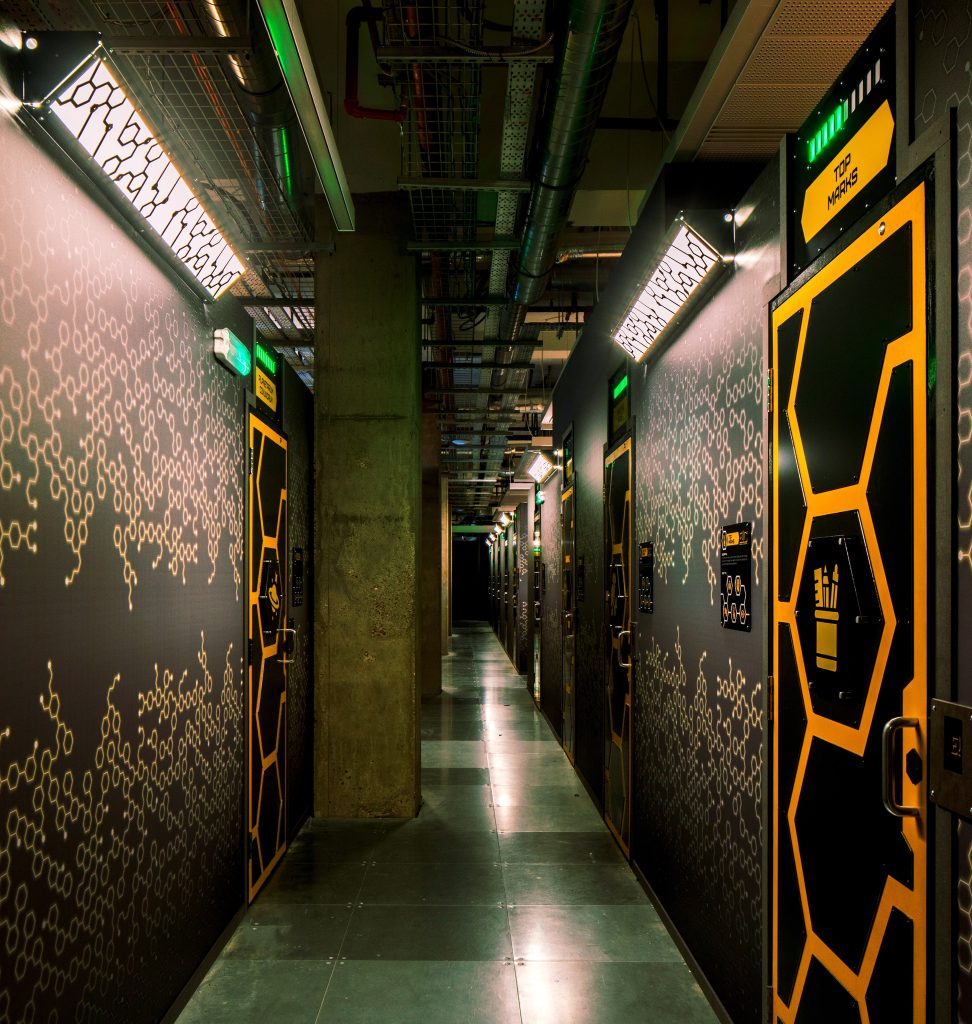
(505, 901)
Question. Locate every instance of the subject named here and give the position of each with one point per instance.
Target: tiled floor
(505, 902)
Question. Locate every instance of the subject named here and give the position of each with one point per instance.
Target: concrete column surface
(445, 548)
(367, 507)
(430, 573)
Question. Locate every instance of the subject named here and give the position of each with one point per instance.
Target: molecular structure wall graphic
(107, 410)
(73, 824)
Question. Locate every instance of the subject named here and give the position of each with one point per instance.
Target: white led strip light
(684, 266)
(96, 111)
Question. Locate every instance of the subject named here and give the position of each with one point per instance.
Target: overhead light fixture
(503, 519)
(458, 442)
(231, 352)
(687, 262)
(297, 68)
(96, 110)
(540, 468)
(497, 530)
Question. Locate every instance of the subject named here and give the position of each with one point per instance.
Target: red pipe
(356, 17)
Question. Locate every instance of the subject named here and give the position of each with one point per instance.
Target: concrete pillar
(445, 544)
(430, 573)
(367, 506)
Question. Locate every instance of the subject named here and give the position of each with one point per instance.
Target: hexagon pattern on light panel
(540, 468)
(683, 267)
(96, 111)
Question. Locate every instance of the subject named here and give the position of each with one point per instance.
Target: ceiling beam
(415, 54)
(177, 44)
(439, 365)
(495, 245)
(467, 184)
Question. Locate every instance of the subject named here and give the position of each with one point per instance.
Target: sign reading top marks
(842, 159)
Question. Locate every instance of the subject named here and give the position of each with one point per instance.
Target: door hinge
(250, 463)
(770, 380)
(770, 697)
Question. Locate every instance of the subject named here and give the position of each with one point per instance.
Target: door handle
(285, 629)
(892, 726)
(624, 664)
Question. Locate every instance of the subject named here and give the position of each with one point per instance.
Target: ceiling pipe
(260, 91)
(590, 43)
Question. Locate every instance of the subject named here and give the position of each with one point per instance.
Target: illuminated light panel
(684, 266)
(96, 111)
(540, 468)
(231, 352)
(620, 387)
(297, 67)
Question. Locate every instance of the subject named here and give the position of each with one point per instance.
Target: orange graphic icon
(825, 599)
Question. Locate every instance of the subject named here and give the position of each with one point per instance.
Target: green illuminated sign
(231, 352)
(265, 358)
(621, 386)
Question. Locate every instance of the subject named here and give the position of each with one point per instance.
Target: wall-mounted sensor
(231, 352)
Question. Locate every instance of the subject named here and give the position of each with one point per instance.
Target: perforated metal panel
(793, 65)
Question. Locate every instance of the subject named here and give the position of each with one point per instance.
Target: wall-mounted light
(540, 468)
(297, 68)
(231, 352)
(504, 519)
(497, 530)
(686, 262)
(96, 110)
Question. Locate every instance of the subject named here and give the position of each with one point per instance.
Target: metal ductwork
(263, 97)
(592, 39)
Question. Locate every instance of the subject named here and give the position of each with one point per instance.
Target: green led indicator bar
(621, 386)
(827, 131)
(265, 358)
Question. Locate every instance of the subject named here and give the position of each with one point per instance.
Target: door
(267, 635)
(619, 673)
(569, 609)
(850, 653)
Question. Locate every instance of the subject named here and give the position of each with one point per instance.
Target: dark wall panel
(942, 48)
(551, 637)
(299, 427)
(580, 404)
(121, 598)
(698, 716)
(524, 584)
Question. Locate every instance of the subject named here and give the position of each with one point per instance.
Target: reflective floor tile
(446, 753)
(576, 816)
(453, 776)
(258, 991)
(559, 848)
(422, 993)
(428, 933)
(453, 731)
(289, 932)
(531, 773)
(610, 993)
(306, 878)
(562, 884)
(441, 884)
(620, 933)
(412, 844)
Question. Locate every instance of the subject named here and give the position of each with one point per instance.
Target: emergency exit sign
(842, 159)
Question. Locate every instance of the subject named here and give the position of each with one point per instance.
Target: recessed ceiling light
(458, 441)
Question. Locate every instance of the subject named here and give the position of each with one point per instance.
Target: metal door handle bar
(285, 630)
(623, 664)
(892, 726)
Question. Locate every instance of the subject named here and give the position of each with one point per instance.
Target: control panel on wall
(297, 579)
(646, 577)
(736, 566)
